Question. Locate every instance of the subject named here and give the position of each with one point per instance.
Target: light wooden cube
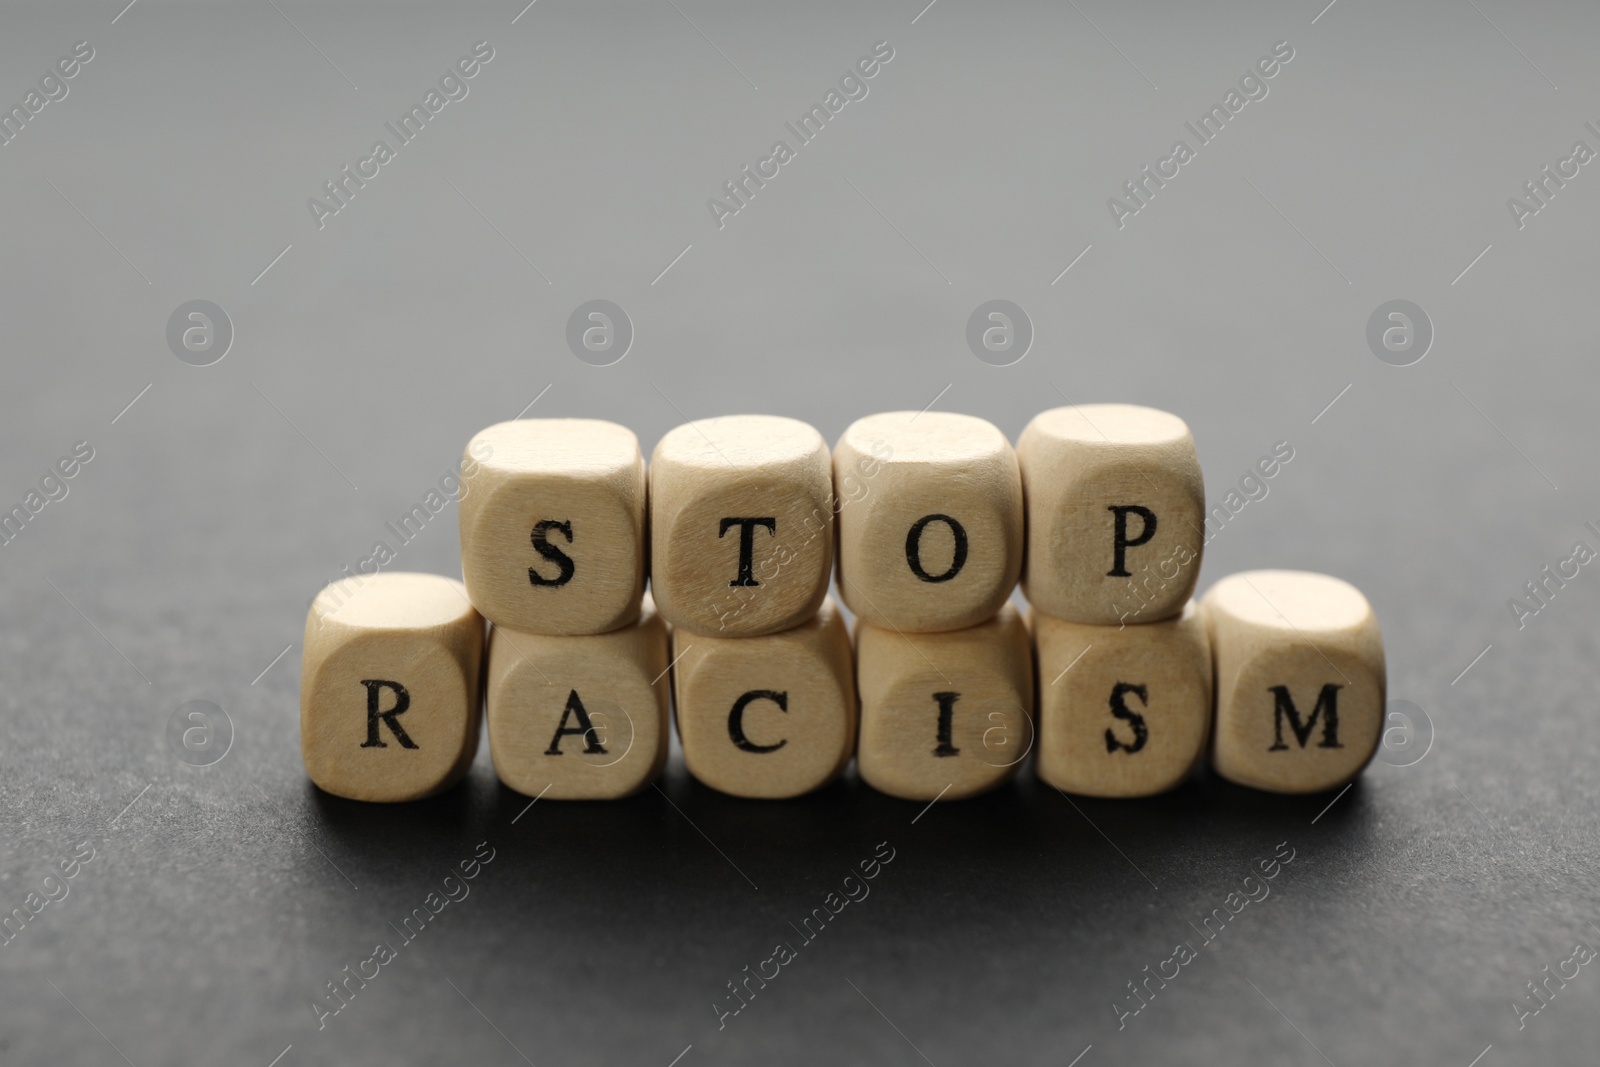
(767, 717)
(1300, 680)
(931, 537)
(579, 718)
(946, 714)
(741, 525)
(390, 683)
(552, 525)
(1116, 513)
(1123, 711)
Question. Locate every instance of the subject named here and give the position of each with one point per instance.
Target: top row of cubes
(737, 520)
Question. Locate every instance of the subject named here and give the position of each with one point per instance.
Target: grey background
(221, 898)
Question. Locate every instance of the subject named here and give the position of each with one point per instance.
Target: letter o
(914, 548)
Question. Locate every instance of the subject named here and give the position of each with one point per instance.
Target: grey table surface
(370, 343)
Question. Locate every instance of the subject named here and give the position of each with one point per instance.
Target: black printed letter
(1120, 710)
(402, 701)
(585, 729)
(747, 545)
(542, 545)
(1119, 540)
(914, 548)
(947, 704)
(736, 718)
(1327, 707)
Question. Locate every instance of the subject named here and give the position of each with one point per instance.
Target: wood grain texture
(944, 713)
(767, 717)
(1123, 711)
(934, 538)
(579, 718)
(553, 525)
(1300, 678)
(390, 687)
(741, 512)
(1093, 470)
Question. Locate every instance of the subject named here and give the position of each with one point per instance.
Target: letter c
(736, 719)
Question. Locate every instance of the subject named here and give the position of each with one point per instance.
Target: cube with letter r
(390, 686)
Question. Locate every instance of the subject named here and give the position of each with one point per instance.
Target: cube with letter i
(741, 525)
(390, 686)
(552, 525)
(1116, 512)
(1300, 680)
(944, 715)
(930, 520)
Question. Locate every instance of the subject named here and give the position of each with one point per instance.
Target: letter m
(1327, 709)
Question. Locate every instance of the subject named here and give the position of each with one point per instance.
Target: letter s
(565, 568)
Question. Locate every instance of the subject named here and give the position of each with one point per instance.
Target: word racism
(1540, 996)
(453, 486)
(742, 190)
(452, 87)
(1542, 189)
(1184, 953)
(52, 487)
(53, 889)
(784, 953)
(1252, 86)
(340, 992)
(52, 87)
(1542, 588)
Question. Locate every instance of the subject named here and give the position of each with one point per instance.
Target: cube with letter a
(1300, 680)
(930, 520)
(1116, 513)
(552, 525)
(741, 525)
(390, 686)
(579, 717)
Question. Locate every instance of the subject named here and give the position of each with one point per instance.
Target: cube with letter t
(741, 525)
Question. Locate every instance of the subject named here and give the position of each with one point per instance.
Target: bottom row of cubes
(1280, 673)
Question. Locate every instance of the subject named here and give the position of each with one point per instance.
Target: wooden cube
(767, 717)
(1300, 680)
(390, 682)
(552, 525)
(741, 525)
(944, 714)
(1116, 513)
(1123, 711)
(579, 718)
(930, 520)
